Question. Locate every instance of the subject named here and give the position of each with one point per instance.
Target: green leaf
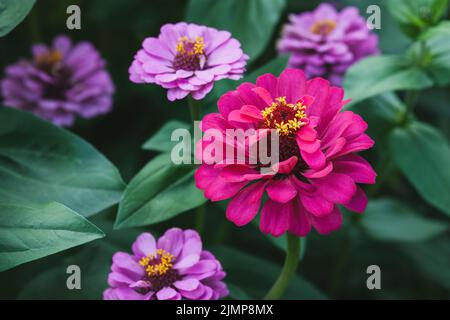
(40, 163)
(94, 262)
(29, 232)
(252, 22)
(392, 220)
(12, 12)
(379, 74)
(415, 16)
(433, 259)
(161, 140)
(257, 275)
(423, 155)
(160, 191)
(436, 44)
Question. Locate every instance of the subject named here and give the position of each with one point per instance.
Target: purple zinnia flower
(174, 267)
(326, 42)
(188, 59)
(61, 81)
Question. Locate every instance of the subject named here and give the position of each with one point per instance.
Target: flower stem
(289, 268)
(195, 108)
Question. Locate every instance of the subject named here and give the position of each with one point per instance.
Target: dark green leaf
(423, 155)
(160, 191)
(433, 259)
(252, 22)
(379, 74)
(161, 140)
(392, 220)
(257, 275)
(94, 262)
(29, 232)
(12, 12)
(40, 163)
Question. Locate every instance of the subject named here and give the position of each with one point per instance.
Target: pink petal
(316, 204)
(358, 203)
(281, 191)
(264, 95)
(187, 284)
(315, 160)
(144, 245)
(355, 167)
(166, 293)
(292, 85)
(328, 223)
(299, 223)
(285, 166)
(336, 187)
(275, 218)
(245, 205)
(311, 174)
(269, 82)
(228, 102)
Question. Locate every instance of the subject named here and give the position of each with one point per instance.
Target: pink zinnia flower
(187, 59)
(61, 82)
(173, 268)
(326, 42)
(318, 169)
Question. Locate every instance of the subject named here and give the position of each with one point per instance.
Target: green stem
(195, 108)
(289, 268)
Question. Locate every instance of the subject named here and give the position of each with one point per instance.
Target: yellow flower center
(285, 117)
(190, 47)
(158, 263)
(323, 27)
(49, 59)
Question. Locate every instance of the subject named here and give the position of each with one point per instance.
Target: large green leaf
(256, 275)
(252, 22)
(415, 16)
(433, 259)
(40, 163)
(380, 74)
(94, 262)
(30, 232)
(160, 191)
(161, 140)
(392, 220)
(12, 12)
(423, 155)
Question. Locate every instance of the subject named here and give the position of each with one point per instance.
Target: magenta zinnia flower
(174, 267)
(188, 59)
(326, 42)
(318, 166)
(61, 82)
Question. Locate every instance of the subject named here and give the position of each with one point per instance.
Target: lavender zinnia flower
(188, 59)
(174, 267)
(61, 82)
(326, 43)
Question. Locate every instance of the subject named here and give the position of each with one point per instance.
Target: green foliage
(31, 232)
(422, 154)
(242, 18)
(160, 191)
(12, 12)
(40, 163)
(391, 220)
(380, 74)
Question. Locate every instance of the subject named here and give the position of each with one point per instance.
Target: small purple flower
(188, 59)
(174, 267)
(61, 82)
(326, 42)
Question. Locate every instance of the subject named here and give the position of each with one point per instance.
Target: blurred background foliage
(405, 228)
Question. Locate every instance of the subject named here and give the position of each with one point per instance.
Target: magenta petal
(252, 112)
(316, 204)
(245, 205)
(292, 85)
(307, 146)
(312, 174)
(269, 82)
(355, 167)
(307, 133)
(336, 187)
(237, 116)
(275, 217)
(358, 203)
(281, 191)
(328, 223)
(286, 166)
(264, 95)
(299, 223)
(315, 160)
